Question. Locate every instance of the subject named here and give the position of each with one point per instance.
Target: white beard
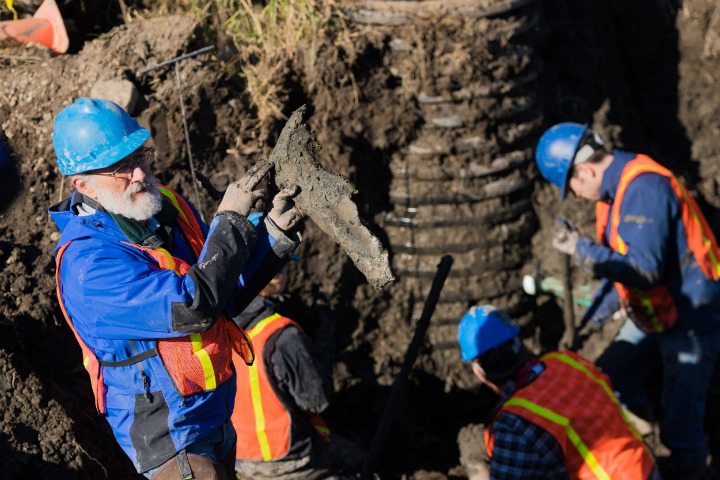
(141, 201)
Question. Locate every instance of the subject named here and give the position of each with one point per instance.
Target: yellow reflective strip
(205, 362)
(169, 258)
(650, 310)
(571, 362)
(622, 246)
(255, 392)
(259, 413)
(716, 265)
(622, 249)
(572, 435)
(86, 361)
(255, 331)
(706, 241)
(10, 7)
(169, 195)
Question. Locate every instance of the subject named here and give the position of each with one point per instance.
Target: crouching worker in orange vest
(279, 401)
(558, 417)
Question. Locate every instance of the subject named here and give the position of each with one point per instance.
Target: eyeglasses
(142, 158)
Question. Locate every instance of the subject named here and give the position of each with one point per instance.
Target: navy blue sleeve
(605, 303)
(646, 216)
(522, 450)
(296, 371)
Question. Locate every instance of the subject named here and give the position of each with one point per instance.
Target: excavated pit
(431, 114)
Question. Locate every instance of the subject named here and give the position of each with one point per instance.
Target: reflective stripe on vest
(654, 310)
(261, 420)
(186, 220)
(572, 435)
(573, 401)
(195, 363)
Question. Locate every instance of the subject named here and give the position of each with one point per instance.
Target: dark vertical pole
(570, 334)
(398, 388)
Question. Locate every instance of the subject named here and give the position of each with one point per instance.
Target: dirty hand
(285, 214)
(565, 239)
(240, 196)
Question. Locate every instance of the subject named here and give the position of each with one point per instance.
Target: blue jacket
(658, 253)
(120, 303)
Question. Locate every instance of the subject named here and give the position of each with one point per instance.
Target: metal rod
(178, 81)
(187, 139)
(570, 335)
(398, 388)
(124, 11)
(182, 57)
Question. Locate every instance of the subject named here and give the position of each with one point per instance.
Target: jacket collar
(612, 175)
(92, 215)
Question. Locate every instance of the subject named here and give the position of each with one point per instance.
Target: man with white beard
(147, 288)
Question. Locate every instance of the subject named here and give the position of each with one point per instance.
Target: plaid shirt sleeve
(522, 450)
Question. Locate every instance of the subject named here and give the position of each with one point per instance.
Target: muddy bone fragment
(326, 199)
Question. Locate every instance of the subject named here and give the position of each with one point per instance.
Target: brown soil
(431, 118)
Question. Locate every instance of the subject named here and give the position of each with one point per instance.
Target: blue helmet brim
(109, 157)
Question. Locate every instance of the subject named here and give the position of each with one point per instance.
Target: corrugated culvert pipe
(463, 186)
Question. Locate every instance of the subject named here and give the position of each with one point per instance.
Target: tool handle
(570, 335)
(398, 387)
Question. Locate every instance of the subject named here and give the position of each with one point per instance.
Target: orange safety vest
(198, 362)
(573, 401)
(262, 423)
(654, 310)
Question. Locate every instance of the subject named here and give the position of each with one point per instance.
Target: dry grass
(276, 40)
(270, 39)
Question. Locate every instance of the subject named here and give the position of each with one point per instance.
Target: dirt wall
(652, 89)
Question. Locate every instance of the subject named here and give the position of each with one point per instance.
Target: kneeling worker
(558, 417)
(279, 400)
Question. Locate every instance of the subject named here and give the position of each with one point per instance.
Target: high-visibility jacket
(125, 303)
(654, 310)
(262, 421)
(196, 363)
(573, 401)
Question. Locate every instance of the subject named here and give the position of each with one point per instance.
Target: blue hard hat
(483, 328)
(93, 133)
(556, 150)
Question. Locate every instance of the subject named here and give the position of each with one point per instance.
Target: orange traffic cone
(45, 28)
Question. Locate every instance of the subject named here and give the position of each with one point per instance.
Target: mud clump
(326, 199)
